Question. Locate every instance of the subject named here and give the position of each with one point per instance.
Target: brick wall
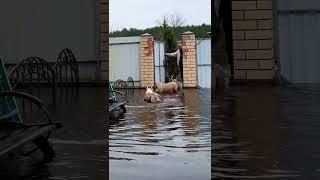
(103, 12)
(146, 60)
(189, 60)
(252, 39)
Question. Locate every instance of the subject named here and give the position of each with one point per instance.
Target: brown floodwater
(169, 140)
(266, 133)
(80, 146)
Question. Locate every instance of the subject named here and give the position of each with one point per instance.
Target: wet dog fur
(172, 87)
(151, 96)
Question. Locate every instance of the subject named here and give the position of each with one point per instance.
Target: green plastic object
(112, 95)
(9, 111)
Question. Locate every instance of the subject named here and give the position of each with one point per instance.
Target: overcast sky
(145, 13)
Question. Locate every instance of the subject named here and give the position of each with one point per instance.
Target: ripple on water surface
(169, 140)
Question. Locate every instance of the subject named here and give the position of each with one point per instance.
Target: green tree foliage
(201, 31)
(167, 35)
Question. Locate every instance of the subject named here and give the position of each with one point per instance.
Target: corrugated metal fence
(159, 61)
(298, 41)
(204, 62)
(124, 58)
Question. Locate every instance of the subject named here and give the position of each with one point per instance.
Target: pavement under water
(266, 133)
(169, 140)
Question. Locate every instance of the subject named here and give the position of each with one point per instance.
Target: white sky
(145, 13)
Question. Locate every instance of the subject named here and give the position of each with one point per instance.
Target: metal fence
(204, 62)
(159, 61)
(124, 58)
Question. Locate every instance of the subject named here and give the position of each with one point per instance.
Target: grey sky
(144, 13)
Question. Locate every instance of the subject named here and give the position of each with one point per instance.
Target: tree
(169, 37)
(173, 19)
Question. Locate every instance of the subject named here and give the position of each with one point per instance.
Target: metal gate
(298, 40)
(159, 68)
(204, 62)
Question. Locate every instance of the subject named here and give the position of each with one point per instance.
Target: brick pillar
(103, 19)
(252, 39)
(189, 59)
(146, 60)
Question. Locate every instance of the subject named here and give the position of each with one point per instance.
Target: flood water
(169, 140)
(266, 133)
(80, 146)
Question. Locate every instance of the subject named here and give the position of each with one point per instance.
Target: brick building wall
(252, 39)
(103, 13)
(189, 60)
(146, 60)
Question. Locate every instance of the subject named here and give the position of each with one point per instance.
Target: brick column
(103, 19)
(189, 59)
(146, 60)
(252, 39)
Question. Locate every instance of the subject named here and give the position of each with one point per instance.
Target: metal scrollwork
(66, 67)
(130, 82)
(121, 86)
(33, 71)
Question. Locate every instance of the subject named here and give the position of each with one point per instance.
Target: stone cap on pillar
(145, 34)
(187, 33)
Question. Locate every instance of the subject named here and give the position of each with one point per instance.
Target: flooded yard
(80, 146)
(266, 133)
(169, 140)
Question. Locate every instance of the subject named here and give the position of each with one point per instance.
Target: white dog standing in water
(151, 96)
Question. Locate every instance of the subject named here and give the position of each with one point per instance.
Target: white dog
(151, 96)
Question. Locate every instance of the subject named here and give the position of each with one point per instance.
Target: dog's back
(166, 87)
(152, 97)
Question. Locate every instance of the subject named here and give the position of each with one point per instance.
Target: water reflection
(261, 133)
(169, 140)
(80, 146)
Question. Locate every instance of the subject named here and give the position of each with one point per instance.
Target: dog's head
(149, 90)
